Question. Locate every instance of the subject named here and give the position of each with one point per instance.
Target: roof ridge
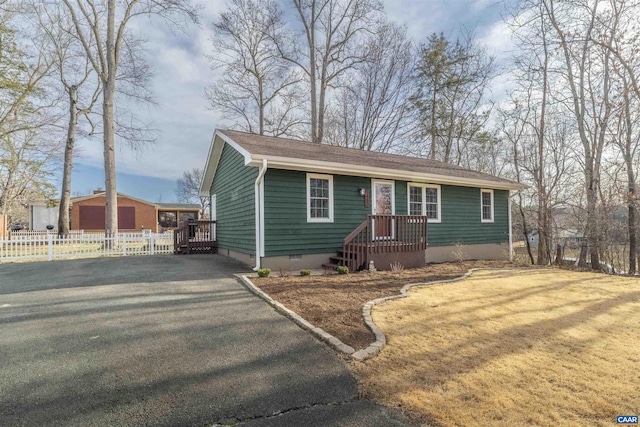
(436, 163)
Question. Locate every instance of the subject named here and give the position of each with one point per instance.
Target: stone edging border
(297, 319)
(381, 340)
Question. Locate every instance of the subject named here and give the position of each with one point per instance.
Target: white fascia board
(375, 172)
(239, 149)
(218, 141)
(209, 168)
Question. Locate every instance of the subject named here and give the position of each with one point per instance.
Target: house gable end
(218, 142)
(233, 185)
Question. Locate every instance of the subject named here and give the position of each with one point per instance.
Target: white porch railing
(48, 247)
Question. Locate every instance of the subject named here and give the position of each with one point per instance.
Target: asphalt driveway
(164, 340)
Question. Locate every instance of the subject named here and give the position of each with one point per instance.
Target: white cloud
(185, 126)
(182, 72)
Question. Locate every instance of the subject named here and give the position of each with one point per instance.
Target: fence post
(152, 244)
(50, 246)
(124, 244)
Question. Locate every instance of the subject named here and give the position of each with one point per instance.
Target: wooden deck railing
(195, 236)
(384, 234)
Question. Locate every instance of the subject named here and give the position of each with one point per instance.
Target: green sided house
(287, 203)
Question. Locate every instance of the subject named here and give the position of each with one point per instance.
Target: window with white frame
(424, 199)
(319, 198)
(486, 204)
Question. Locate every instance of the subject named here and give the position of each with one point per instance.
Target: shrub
(305, 272)
(396, 267)
(264, 272)
(342, 269)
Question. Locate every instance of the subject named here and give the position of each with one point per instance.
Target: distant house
(88, 214)
(287, 203)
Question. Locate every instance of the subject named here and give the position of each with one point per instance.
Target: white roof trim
(215, 151)
(376, 172)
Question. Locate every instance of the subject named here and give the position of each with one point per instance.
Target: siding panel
(461, 218)
(287, 231)
(233, 186)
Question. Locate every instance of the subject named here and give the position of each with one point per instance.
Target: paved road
(166, 341)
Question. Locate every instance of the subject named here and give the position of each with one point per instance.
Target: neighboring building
(43, 214)
(88, 214)
(170, 214)
(293, 203)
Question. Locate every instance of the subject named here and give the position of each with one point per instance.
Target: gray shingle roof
(295, 149)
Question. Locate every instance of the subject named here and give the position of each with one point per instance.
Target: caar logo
(627, 419)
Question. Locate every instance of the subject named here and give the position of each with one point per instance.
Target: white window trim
(424, 200)
(486, 190)
(373, 194)
(319, 176)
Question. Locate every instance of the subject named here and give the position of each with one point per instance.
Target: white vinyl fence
(47, 247)
(31, 234)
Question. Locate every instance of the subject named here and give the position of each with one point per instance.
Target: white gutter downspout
(259, 188)
(510, 230)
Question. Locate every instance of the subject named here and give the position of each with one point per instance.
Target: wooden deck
(380, 237)
(195, 237)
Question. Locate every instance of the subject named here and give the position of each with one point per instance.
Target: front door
(383, 204)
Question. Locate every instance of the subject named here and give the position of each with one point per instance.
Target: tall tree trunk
(544, 231)
(525, 231)
(65, 194)
(261, 106)
(631, 197)
(582, 259)
(592, 227)
(111, 207)
(311, 35)
(433, 121)
(321, 107)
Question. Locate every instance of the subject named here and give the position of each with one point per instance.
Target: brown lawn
(334, 303)
(511, 348)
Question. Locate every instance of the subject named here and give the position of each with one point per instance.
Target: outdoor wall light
(362, 191)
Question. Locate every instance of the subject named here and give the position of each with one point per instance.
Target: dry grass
(334, 303)
(512, 348)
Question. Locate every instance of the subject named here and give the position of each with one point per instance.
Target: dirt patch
(334, 303)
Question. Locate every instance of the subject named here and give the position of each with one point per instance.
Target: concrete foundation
(468, 252)
(275, 263)
(382, 261)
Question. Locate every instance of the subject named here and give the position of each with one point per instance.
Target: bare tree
(532, 66)
(333, 35)
(26, 170)
(106, 23)
(27, 113)
(256, 88)
(586, 71)
(373, 110)
(618, 35)
(188, 189)
(626, 134)
(77, 78)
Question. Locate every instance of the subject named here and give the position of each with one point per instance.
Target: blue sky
(181, 72)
